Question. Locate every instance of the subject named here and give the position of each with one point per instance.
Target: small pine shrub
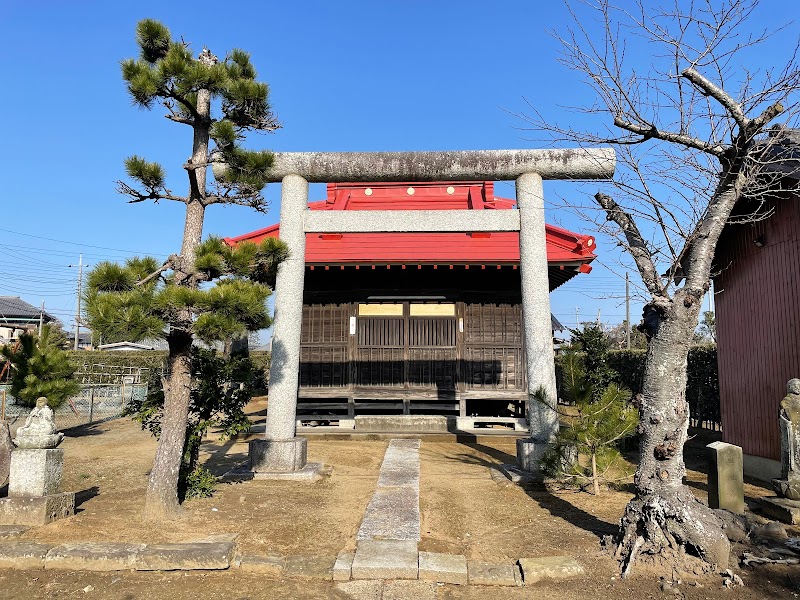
(200, 483)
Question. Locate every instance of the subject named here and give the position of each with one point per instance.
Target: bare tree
(691, 133)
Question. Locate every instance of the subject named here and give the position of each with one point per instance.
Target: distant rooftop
(15, 311)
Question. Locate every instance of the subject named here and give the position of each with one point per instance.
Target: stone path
(393, 512)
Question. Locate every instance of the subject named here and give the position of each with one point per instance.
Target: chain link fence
(94, 403)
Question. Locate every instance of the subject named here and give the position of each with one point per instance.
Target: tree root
(674, 532)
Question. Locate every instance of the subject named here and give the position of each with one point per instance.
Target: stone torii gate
(281, 453)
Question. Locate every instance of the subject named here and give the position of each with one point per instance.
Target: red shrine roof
(496, 248)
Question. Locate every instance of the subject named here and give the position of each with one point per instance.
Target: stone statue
(788, 486)
(39, 430)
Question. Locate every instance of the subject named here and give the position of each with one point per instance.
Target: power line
(81, 244)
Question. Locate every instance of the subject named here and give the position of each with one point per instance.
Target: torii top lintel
(461, 165)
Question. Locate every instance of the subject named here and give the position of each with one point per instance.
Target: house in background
(758, 317)
(17, 316)
(423, 323)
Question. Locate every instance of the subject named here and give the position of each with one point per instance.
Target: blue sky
(387, 75)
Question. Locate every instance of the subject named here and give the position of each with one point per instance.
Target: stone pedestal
(725, 477)
(278, 456)
(35, 472)
(36, 510)
(529, 455)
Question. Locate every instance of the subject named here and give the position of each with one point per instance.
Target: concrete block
(484, 573)
(309, 567)
(781, 509)
(36, 510)
(23, 555)
(725, 477)
(93, 556)
(343, 566)
(278, 456)
(271, 566)
(35, 472)
(529, 455)
(548, 567)
(386, 559)
(401, 423)
(443, 568)
(185, 557)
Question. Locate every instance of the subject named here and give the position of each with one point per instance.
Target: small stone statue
(788, 486)
(39, 430)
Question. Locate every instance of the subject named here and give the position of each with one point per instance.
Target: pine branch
(137, 196)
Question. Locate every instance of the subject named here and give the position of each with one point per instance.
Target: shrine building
(418, 322)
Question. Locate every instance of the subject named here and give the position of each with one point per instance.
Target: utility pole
(577, 318)
(78, 307)
(598, 317)
(627, 311)
(41, 319)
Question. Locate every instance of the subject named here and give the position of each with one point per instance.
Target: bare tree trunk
(664, 519)
(161, 501)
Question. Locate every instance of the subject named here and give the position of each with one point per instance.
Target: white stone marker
(725, 478)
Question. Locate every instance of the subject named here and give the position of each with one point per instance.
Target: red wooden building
(418, 322)
(758, 321)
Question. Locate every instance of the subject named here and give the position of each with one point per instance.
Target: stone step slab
(93, 556)
(212, 556)
(343, 566)
(443, 568)
(23, 555)
(386, 559)
(548, 567)
(272, 566)
(501, 574)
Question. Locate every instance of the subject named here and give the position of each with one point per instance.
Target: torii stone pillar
(282, 453)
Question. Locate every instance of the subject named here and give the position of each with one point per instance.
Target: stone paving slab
(7, 531)
(23, 555)
(362, 590)
(400, 465)
(185, 557)
(409, 590)
(343, 566)
(93, 556)
(392, 514)
(386, 559)
(265, 565)
(485, 573)
(310, 567)
(443, 568)
(549, 567)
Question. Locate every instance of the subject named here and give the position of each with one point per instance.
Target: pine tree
(40, 368)
(586, 446)
(142, 299)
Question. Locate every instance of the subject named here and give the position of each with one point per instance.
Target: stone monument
(35, 473)
(6, 446)
(786, 507)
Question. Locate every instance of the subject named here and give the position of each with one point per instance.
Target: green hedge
(702, 385)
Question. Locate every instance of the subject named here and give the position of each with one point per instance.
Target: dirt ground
(463, 511)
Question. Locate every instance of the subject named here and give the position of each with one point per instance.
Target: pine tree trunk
(161, 499)
(595, 481)
(664, 520)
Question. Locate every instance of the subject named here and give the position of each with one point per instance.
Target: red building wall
(758, 325)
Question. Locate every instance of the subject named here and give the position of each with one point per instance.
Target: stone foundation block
(781, 509)
(443, 568)
(309, 567)
(725, 477)
(278, 456)
(271, 566)
(35, 472)
(23, 555)
(343, 566)
(548, 567)
(184, 557)
(386, 559)
(37, 510)
(484, 573)
(529, 455)
(93, 556)
(401, 423)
